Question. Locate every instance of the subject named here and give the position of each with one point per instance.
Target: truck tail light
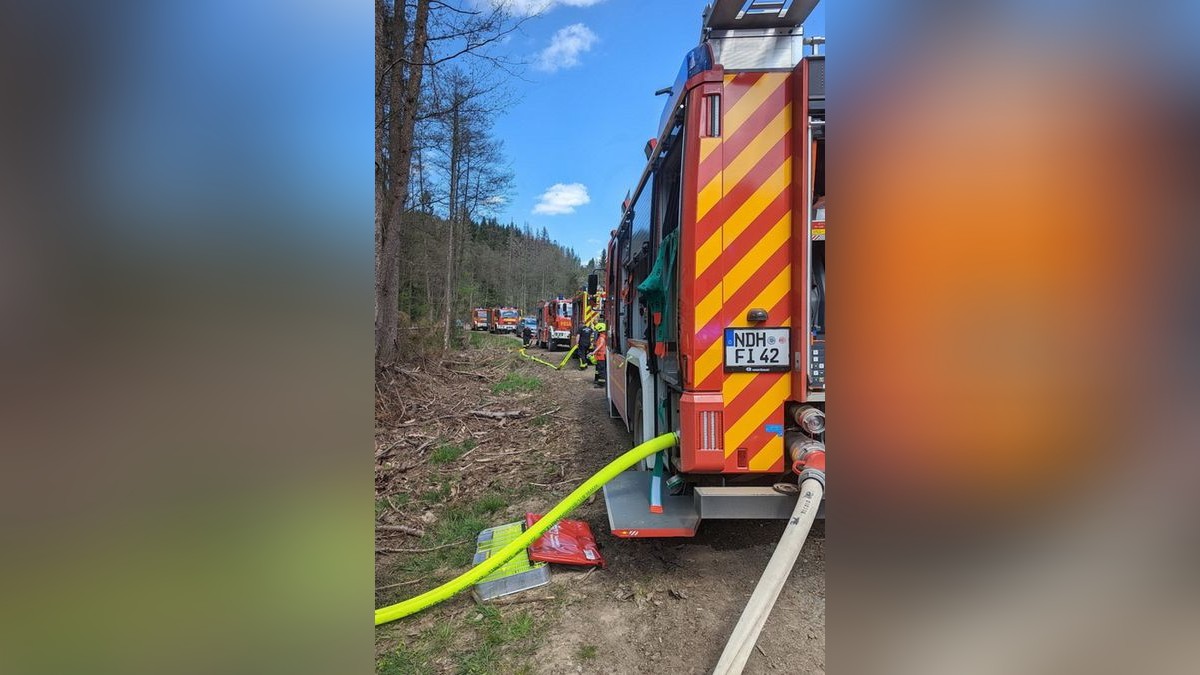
(712, 430)
(713, 113)
(702, 432)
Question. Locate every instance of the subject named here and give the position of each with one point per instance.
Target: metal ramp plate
(518, 574)
(628, 500)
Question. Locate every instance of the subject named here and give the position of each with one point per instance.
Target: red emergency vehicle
(716, 278)
(504, 320)
(479, 318)
(554, 323)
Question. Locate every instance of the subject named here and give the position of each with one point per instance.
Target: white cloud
(565, 47)
(531, 7)
(562, 198)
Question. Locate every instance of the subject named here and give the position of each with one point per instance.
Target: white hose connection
(810, 419)
(810, 467)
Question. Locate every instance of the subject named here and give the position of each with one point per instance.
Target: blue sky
(588, 123)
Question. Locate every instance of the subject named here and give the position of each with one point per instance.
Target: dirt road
(660, 605)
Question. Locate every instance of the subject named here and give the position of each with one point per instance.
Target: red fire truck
(479, 318)
(716, 279)
(504, 320)
(554, 323)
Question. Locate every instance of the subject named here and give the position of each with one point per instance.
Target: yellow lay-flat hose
(560, 364)
(473, 575)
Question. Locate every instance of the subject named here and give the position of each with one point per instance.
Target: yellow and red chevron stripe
(742, 258)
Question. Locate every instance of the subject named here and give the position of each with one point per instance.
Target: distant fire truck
(479, 318)
(554, 323)
(504, 320)
(716, 279)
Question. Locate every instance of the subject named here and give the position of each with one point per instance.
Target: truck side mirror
(593, 281)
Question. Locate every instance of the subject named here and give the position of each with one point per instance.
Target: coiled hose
(473, 575)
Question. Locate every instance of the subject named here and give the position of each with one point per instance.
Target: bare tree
(403, 45)
(411, 37)
(472, 167)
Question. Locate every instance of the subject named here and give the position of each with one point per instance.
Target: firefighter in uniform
(583, 344)
(599, 352)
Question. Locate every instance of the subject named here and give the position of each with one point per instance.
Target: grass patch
(484, 643)
(399, 500)
(498, 630)
(490, 504)
(436, 495)
(459, 523)
(498, 636)
(416, 655)
(514, 382)
(448, 452)
(588, 652)
(488, 640)
(511, 494)
(403, 661)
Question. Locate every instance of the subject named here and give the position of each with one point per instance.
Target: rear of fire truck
(716, 279)
(479, 318)
(554, 323)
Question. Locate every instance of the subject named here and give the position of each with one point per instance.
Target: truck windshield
(508, 313)
(481, 313)
(564, 309)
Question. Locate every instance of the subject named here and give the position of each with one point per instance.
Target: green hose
(473, 575)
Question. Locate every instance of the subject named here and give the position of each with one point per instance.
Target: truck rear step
(628, 500)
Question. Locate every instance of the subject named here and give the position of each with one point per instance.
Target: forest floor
(444, 471)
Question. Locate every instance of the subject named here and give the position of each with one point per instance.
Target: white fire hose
(754, 616)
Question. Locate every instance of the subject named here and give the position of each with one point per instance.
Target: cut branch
(414, 531)
(384, 549)
(497, 415)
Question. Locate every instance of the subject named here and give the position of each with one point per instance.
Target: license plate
(757, 350)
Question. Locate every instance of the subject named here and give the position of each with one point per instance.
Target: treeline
(498, 265)
(441, 176)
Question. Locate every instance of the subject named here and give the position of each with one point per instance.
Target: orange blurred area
(1014, 292)
(981, 275)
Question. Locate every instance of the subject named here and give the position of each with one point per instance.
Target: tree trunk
(405, 87)
(455, 197)
(383, 56)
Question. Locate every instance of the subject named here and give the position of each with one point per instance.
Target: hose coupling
(810, 465)
(808, 456)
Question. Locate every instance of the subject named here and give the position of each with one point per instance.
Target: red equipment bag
(569, 542)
